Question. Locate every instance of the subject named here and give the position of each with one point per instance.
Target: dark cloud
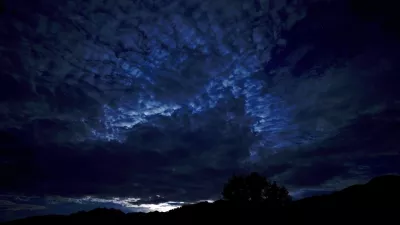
(304, 193)
(165, 101)
(316, 174)
(174, 163)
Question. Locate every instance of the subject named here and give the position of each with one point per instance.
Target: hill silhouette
(375, 201)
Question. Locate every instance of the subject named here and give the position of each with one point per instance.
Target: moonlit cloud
(130, 204)
(162, 207)
(148, 105)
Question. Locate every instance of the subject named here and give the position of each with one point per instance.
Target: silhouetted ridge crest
(101, 211)
(391, 179)
(377, 199)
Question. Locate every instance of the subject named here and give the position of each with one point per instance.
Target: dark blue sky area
(148, 105)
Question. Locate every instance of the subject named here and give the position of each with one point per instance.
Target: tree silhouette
(255, 188)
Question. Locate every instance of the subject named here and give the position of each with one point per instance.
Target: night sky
(146, 105)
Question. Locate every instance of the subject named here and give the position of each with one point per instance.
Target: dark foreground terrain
(374, 202)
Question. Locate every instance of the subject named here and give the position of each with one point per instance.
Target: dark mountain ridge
(376, 200)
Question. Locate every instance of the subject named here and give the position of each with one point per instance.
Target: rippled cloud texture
(161, 101)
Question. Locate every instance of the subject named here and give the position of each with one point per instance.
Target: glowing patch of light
(128, 203)
(161, 207)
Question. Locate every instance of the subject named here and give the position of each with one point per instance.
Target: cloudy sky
(146, 105)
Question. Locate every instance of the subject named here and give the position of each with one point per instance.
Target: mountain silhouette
(376, 200)
(378, 192)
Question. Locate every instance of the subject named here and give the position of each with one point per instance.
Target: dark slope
(375, 200)
(380, 192)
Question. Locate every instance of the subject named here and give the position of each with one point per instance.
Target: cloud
(163, 103)
(12, 206)
(151, 162)
(304, 193)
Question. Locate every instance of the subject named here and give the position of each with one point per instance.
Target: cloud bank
(164, 100)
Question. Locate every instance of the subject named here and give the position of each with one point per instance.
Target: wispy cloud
(6, 205)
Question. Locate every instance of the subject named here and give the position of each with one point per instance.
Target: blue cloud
(136, 100)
